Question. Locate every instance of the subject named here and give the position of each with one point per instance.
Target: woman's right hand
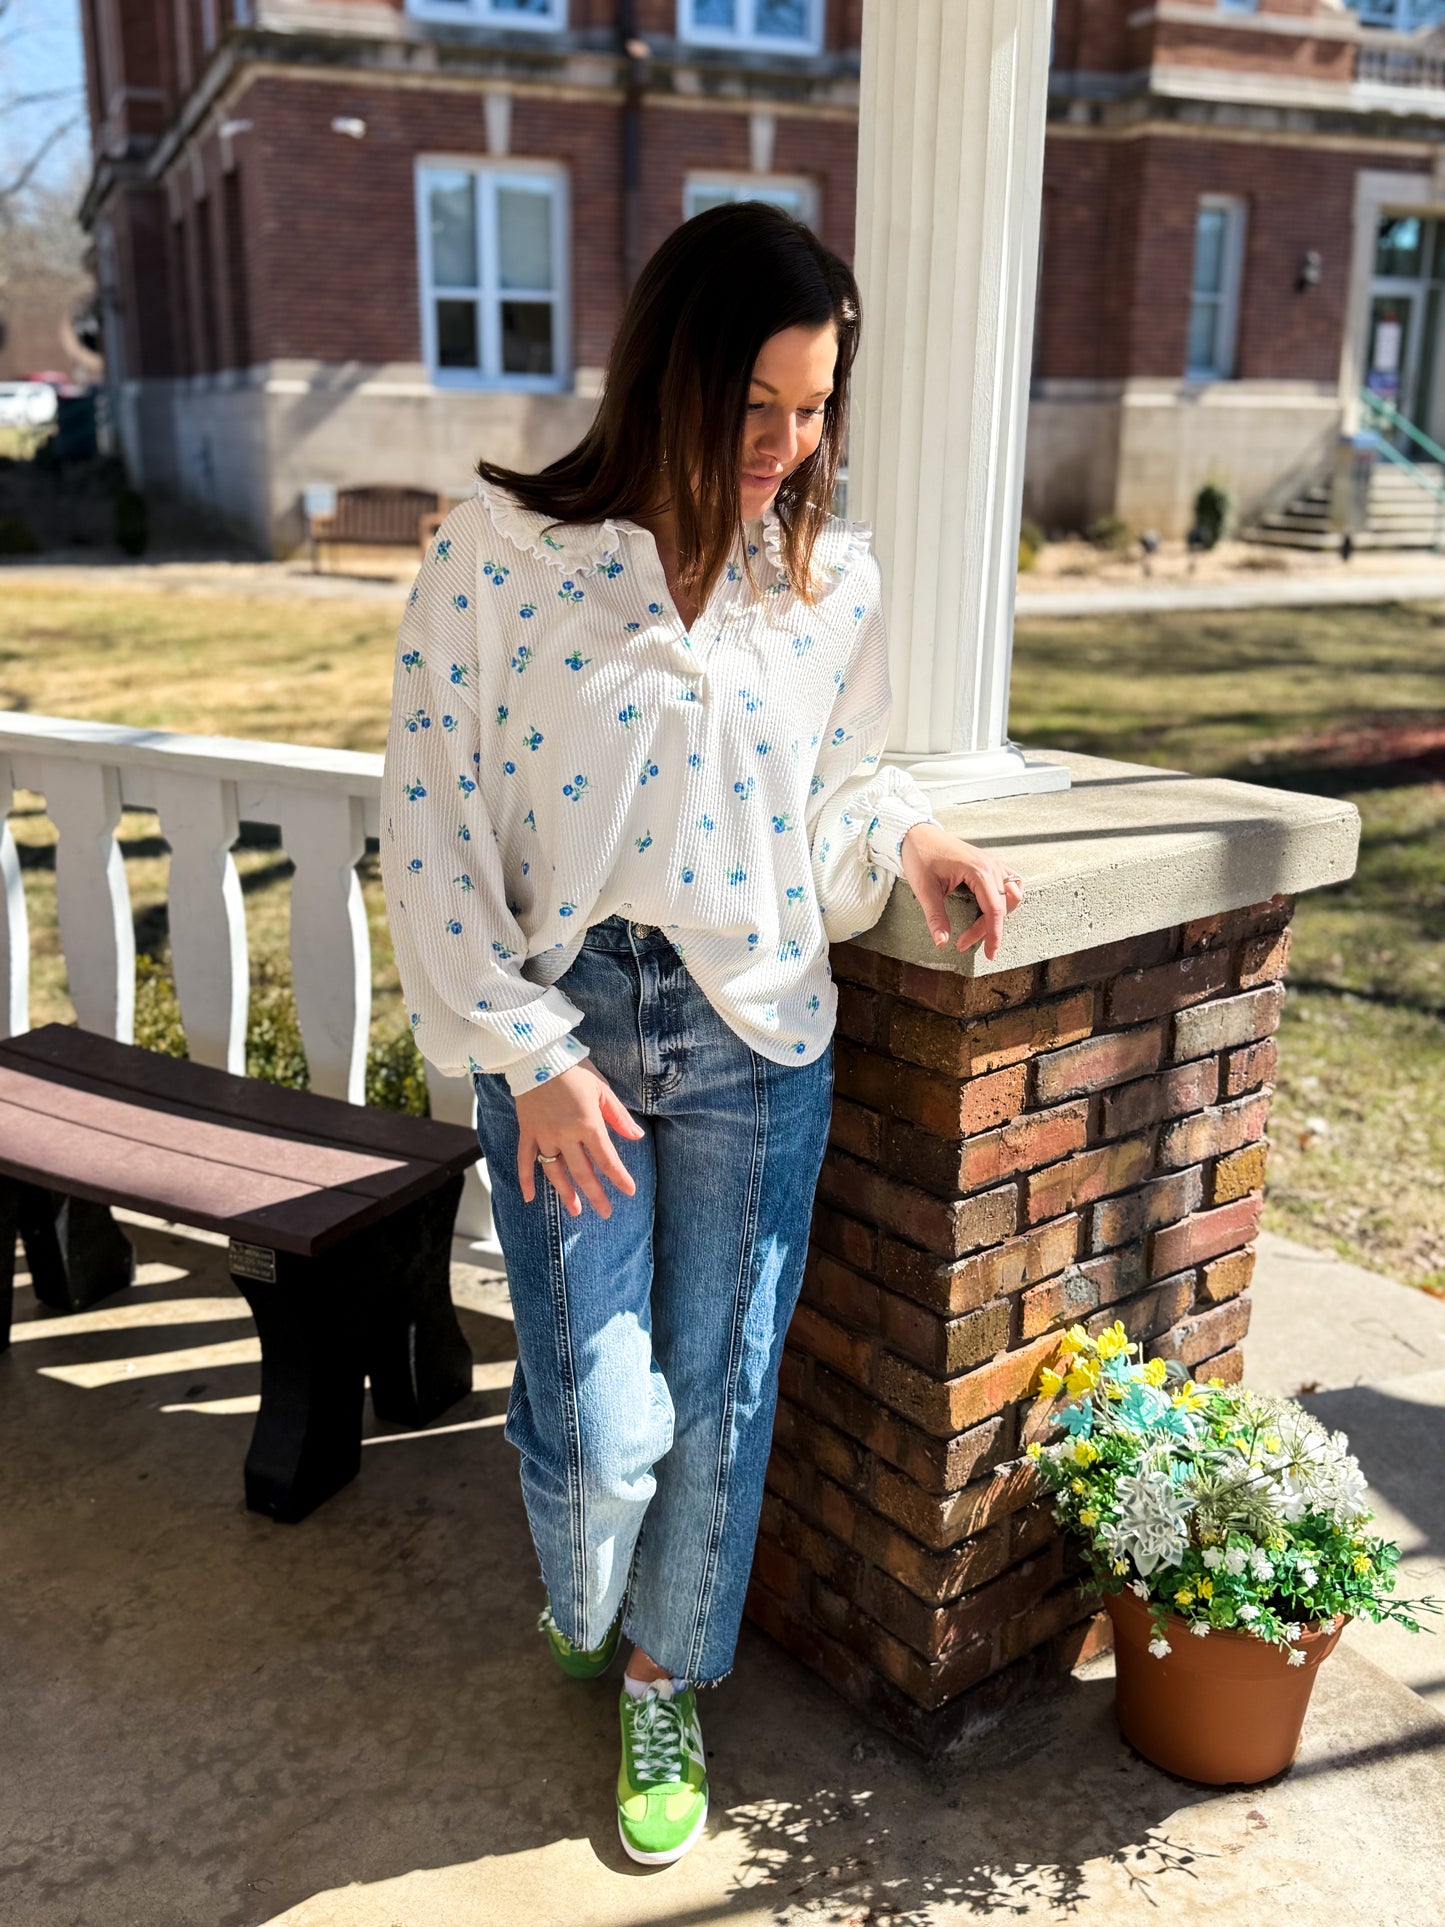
(571, 1114)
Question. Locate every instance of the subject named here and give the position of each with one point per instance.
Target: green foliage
(17, 537)
(1031, 533)
(1211, 511)
(158, 1024)
(1028, 555)
(395, 1071)
(132, 521)
(1108, 532)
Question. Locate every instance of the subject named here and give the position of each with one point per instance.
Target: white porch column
(950, 173)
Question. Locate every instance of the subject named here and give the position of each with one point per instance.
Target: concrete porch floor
(211, 1721)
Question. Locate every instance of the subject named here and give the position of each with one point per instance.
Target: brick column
(1079, 1140)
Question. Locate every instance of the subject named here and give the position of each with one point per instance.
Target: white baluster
(97, 932)
(200, 821)
(325, 837)
(14, 922)
(453, 1101)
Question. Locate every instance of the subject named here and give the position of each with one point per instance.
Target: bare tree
(19, 172)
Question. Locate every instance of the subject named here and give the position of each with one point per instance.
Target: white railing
(1399, 67)
(324, 802)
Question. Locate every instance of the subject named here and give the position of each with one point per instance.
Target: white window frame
(1227, 335)
(488, 296)
(743, 186)
(490, 13)
(745, 35)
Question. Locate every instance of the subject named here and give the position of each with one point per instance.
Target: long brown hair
(674, 406)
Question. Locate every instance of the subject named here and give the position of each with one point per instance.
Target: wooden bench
(378, 518)
(339, 1219)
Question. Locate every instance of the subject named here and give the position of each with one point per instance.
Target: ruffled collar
(582, 548)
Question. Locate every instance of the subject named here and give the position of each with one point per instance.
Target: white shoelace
(658, 1737)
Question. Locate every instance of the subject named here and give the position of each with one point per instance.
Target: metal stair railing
(1385, 418)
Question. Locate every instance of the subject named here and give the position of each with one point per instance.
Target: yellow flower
(1189, 1398)
(1216, 1383)
(1033, 1451)
(1085, 1452)
(1077, 1485)
(1155, 1372)
(1113, 1341)
(1076, 1340)
(1205, 1588)
(1271, 1444)
(1114, 1389)
(1083, 1378)
(1184, 1597)
(1360, 1562)
(1088, 1517)
(1050, 1382)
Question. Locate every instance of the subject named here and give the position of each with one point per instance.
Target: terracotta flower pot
(1227, 1709)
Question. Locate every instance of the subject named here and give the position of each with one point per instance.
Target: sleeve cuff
(526, 1073)
(894, 817)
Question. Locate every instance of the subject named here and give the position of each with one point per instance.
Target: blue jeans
(648, 1343)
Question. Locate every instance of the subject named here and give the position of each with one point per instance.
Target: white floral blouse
(562, 747)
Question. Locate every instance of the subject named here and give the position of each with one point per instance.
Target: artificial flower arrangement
(1211, 1510)
(1216, 1505)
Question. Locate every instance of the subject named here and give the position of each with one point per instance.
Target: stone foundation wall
(1076, 1141)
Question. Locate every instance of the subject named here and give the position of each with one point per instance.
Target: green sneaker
(577, 1661)
(662, 1781)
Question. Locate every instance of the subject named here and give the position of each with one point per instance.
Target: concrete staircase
(1403, 515)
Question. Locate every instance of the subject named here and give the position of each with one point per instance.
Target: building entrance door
(1402, 339)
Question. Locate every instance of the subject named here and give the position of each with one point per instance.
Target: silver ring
(549, 1160)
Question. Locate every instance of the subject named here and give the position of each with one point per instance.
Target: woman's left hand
(936, 863)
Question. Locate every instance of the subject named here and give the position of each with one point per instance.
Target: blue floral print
(645, 707)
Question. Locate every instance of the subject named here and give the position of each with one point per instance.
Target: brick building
(367, 240)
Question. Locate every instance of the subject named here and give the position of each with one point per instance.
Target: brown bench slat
(256, 1206)
(170, 1128)
(199, 1089)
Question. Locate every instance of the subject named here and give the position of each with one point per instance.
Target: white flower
(1260, 1565)
(1249, 1612)
(1309, 1575)
(1152, 1524)
(1159, 1647)
(1292, 1630)
(1139, 1589)
(1213, 1558)
(1298, 1658)
(1199, 1629)
(1235, 1561)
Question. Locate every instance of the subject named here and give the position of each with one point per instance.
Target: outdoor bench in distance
(339, 1218)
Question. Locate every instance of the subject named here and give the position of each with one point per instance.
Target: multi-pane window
(777, 26)
(492, 271)
(790, 191)
(1214, 298)
(493, 13)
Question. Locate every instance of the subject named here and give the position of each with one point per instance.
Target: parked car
(27, 404)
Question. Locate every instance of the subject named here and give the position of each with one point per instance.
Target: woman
(632, 792)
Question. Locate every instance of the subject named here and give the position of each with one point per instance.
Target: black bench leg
(77, 1252)
(417, 1357)
(307, 1441)
(9, 1232)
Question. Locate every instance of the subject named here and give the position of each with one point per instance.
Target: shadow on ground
(210, 1719)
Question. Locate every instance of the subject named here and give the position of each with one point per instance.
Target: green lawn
(1345, 702)
(1336, 702)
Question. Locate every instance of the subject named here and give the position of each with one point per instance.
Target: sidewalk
(211, 1721)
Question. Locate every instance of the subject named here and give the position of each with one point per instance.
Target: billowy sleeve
(860, 808)
(459, 951)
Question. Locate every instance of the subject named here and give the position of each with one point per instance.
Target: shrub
(1031, 533)
(1028, 555)
(1211, 512)
(132, 521)
(395, 1071)
(1108, 532)
(17, 537)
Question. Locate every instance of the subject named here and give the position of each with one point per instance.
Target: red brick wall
(1075, 1141)
(1119, 219)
